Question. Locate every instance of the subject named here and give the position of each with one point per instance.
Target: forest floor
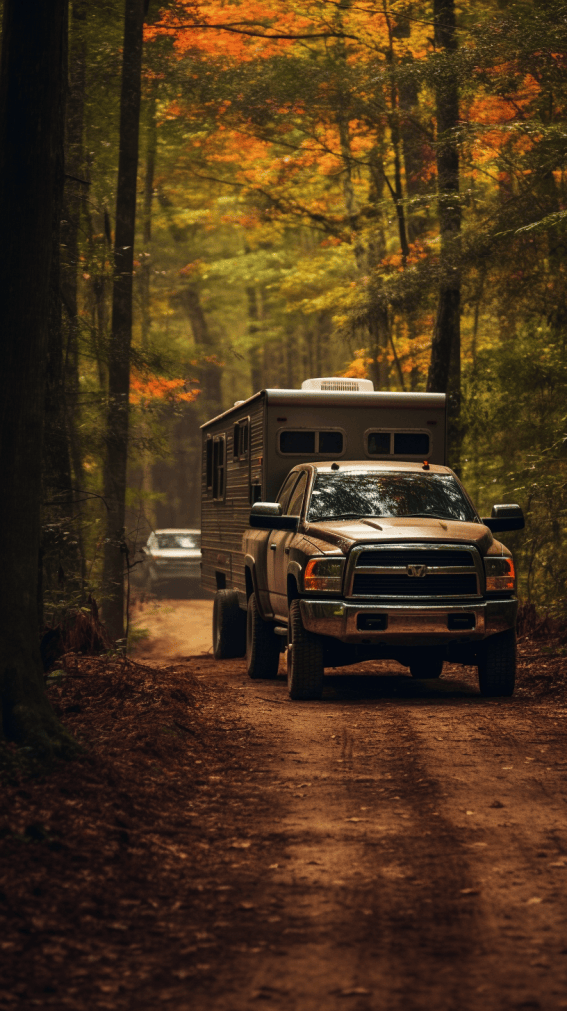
(399, 846)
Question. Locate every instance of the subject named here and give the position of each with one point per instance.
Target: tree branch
(232, 27)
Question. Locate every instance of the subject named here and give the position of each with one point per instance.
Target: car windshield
(352, 494)
(179, 540)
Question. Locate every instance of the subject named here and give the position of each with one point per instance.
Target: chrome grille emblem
(416, 570)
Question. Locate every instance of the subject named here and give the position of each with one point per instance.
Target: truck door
(278, 551)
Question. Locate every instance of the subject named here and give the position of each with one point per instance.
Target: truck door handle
(273, 547)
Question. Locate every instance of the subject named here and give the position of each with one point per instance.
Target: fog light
(372, 622)
(455, 622)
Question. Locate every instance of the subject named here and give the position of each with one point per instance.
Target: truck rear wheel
(305, 668)
(262, 645)
(229, 626)
(497, 664)
(427, 667)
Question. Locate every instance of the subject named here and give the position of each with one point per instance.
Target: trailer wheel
(229, 626)
(427, 667)
(497, 664)
(262, 645)
(305, 668)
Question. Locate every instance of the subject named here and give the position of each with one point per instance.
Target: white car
(171, 554)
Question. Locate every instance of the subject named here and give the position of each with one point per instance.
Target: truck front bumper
(396, 623)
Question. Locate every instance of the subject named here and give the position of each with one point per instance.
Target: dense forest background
(350, 188)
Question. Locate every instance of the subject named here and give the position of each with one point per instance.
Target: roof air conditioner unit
(339, 384)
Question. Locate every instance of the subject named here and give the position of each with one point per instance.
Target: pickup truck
(363, 560)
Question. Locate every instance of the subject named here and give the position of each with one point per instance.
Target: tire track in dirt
(415, 835)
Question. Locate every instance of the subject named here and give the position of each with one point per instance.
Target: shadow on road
(376, 685)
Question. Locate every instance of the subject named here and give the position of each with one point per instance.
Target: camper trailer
(332, 529)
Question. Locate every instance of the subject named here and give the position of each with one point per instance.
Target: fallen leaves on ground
(114, 866)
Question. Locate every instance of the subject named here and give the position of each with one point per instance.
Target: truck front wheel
(262, 645)
(229, 626)
(497, 664)
(304, 658)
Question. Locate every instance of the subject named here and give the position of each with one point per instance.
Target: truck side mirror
(269, 516)
(505, 517)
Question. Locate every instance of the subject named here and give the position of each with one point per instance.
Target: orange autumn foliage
(151, 388)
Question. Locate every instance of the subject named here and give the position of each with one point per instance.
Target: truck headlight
(324, 574)
(500, 574)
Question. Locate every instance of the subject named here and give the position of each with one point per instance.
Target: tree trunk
(145, 270)
(255, 353)
(121, 333)
(75, 184)
(446, 345)
(32, 108)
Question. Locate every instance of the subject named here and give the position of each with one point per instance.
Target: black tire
(229, 626)
(497, 664)
(427, 667)
(305, 669)
(262, 645)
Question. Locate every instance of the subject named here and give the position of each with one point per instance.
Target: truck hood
(344, 534)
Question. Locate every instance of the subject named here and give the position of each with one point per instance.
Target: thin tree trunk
(121, 334)
(209, 372)
(145, 271)
(70, 224)
(32, 109)
(446, 345)
(255, 352)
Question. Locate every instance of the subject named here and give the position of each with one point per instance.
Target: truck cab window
(354, 493)
(283, 497)
(218, 467)
(296, 500)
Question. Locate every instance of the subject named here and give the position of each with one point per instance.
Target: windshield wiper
(431, 516)
(347, 516)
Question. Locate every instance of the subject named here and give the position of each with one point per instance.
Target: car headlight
(500, 574)
(324, 574)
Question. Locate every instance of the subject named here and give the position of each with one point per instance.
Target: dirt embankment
(398, 845)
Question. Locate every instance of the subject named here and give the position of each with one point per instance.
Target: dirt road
(407, 846)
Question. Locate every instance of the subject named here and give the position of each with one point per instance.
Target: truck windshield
(351, 494)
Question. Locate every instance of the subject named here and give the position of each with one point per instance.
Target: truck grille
(394, 557)
(418, 571)
(433, 585)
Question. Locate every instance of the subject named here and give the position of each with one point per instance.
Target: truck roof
(359, 465)
(323, 398)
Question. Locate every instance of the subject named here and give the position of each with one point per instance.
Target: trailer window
(209, 462)
(297, 442)
(330, 442)
(383, 443)
(218, 467)
(303, 442)
(411, 444)
(379, 443)
(241, 440)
